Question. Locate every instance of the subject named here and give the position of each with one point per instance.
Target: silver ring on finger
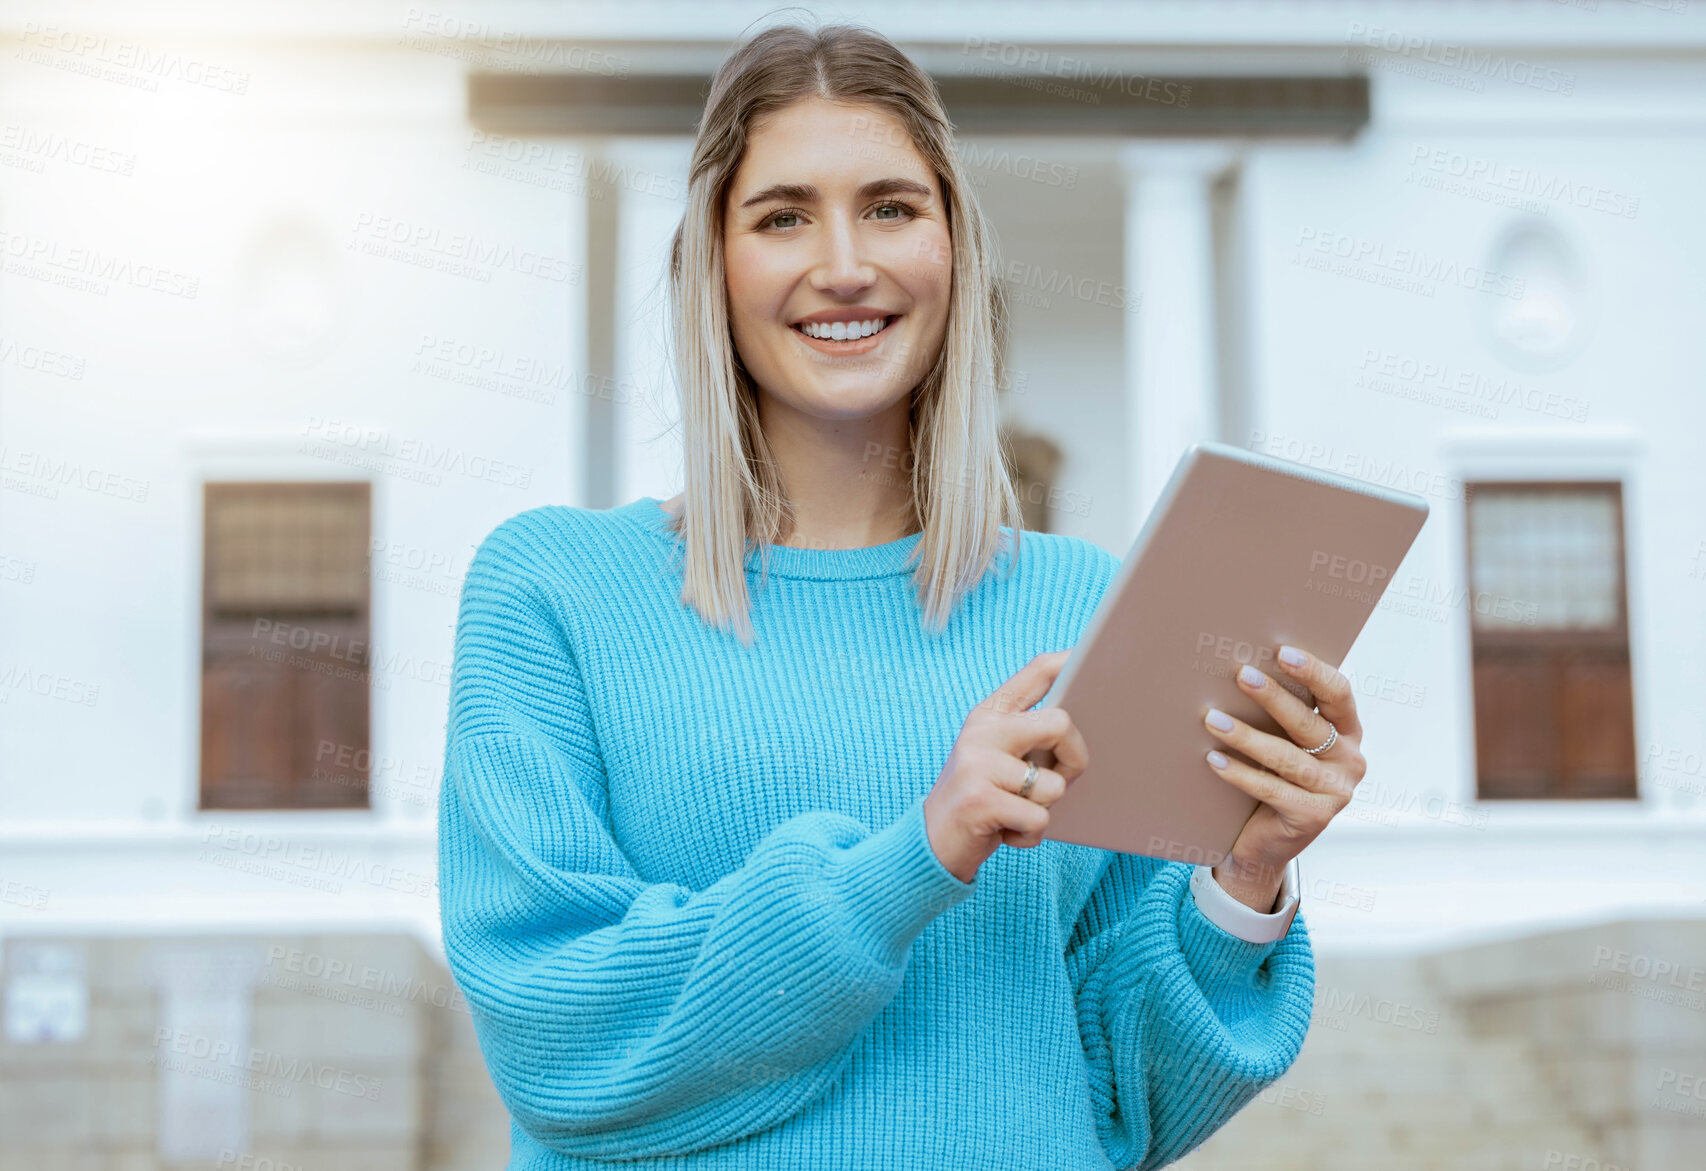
(1332, 739)
(1030, 779)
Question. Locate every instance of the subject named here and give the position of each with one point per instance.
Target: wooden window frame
(226, 639)
(1554, 648)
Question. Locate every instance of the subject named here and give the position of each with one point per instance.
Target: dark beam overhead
(576, 104)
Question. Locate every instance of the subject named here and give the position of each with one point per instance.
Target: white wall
(1620, 400)
(264, 198)
(300, 354)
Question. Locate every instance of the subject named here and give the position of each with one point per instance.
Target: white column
(1170, 341)
(651, 182)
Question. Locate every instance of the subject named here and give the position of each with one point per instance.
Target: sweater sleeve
(1182, 1023)
(621, 1018)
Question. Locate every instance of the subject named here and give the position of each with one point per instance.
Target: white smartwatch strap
(1234, 918)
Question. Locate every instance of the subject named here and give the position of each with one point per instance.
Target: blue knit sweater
(687, 891)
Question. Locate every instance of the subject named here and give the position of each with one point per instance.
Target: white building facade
(301, 244)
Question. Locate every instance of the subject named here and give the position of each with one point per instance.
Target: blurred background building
(298, 301)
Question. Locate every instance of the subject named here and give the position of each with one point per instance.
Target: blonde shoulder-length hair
(962, 495)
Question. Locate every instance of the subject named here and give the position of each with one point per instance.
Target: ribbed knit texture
(687, 890)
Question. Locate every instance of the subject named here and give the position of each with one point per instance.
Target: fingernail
(1219, 719)
(1217, 759)
(1251, 676)
(1292, 657)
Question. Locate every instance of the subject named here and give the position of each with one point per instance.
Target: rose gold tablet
(1242, 553)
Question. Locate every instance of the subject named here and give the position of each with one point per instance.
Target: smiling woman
(728, 779)
(826, 190)
(837, 268)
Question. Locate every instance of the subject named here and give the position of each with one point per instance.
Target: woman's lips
(849, 348)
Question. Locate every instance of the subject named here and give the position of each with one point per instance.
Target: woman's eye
(774, 219)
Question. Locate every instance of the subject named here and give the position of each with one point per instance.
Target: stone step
(1394, 1076)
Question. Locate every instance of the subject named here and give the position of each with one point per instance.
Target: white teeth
(841, 331)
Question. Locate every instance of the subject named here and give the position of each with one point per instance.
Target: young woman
(728, 778)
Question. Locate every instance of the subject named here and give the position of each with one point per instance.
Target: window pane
(1544, 560)
(275, 549)
(292, 553)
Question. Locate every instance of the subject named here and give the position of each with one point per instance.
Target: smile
(855, 344)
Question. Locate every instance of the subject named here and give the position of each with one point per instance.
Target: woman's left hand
(1299, 793)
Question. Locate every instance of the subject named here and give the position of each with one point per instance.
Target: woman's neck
(846, 529)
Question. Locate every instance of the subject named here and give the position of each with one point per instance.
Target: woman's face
(834, 216)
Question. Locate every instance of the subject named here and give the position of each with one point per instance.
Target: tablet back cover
(1242, 553)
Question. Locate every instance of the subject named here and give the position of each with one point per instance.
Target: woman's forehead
(829, 146)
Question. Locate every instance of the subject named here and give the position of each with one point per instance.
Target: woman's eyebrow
(808, 193)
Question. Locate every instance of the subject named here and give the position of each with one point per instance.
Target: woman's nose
(841, 262)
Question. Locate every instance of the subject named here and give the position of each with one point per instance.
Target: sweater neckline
(885, 560)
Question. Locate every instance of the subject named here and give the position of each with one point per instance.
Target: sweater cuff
(894, 884)
(1221, 963)
(1252, 926)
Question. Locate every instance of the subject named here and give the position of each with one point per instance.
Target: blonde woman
(741, 854)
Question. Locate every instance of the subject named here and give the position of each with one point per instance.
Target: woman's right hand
(975, 804)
